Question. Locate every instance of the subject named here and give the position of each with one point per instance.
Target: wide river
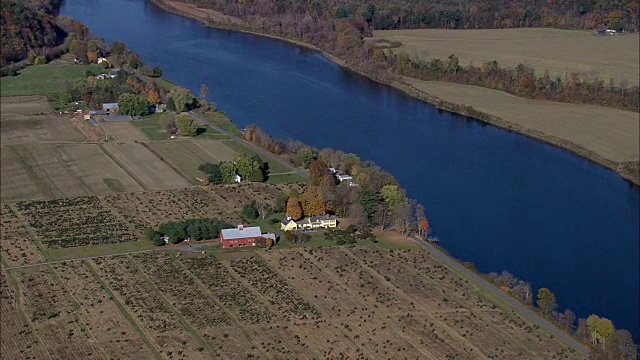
(498, 199)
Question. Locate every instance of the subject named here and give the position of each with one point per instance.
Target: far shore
(626, 166)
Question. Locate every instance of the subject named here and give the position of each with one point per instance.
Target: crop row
(291, 304)
(234, 296)
(182, 290)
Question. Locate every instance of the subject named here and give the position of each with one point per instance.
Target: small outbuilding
(110, 108)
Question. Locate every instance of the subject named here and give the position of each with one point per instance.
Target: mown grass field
(559, 51)
(610, 133)
(44, 79)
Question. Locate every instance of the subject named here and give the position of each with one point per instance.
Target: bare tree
(383, 215)
(204, 91)
(262, 208)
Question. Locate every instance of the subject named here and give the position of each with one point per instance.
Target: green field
(285, 178)
(44, 79)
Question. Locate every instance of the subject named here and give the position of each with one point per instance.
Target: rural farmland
(332, 303)
(559, 51)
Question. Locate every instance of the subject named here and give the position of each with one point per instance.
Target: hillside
(26, 30)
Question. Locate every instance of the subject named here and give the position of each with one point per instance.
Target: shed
(110, 107)
(239, 236)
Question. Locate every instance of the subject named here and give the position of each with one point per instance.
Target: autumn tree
(182, 99)
(294, 208)
(313, 203)
(601, 330)
(546, 301)
(153, 97)
(317, 170)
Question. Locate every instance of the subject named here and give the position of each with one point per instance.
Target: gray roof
(230, 234)
(271, 236)
(118, 118)
(106, 106)
(323, 217)
(98, 112)
(285, 221)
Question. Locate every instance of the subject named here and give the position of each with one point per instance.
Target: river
(498, 199)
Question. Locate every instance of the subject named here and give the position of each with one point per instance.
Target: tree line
(248, 167)
(338, 27)
(177, 231)
(521, 81)
(606, 341)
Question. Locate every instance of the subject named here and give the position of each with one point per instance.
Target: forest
(339, 27)
(27, 30)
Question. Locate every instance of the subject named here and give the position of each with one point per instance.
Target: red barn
(240, 236)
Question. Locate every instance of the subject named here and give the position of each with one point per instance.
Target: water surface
(498, 199)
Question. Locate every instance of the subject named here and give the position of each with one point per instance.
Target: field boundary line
(42, 186)
(185, 323)
(177, 171)
(205, 150)
(124, 168)
(79, 259)
(452, 332)
(134, 324)
(514, 304)
(229, 314)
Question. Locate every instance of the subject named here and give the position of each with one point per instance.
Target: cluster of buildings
(309, 223)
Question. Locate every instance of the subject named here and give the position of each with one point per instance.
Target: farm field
(123, 131)
(18, 129)
(184, 156)
(331, 303)
(89, 226)
(218, 149)
(23, 105)
(44, 79)
(610, 133)
(144, 166)
(559, 51)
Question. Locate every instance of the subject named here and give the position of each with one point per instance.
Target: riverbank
(629, 170)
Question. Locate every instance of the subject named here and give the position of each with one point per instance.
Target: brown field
(16, 183)
(23, 105)
(16, 246)
(559, 51)
(61, 170)
(306, 303)
(145, 167)
(36, 128)
(122, 131)
(610, 133)
(217, 149)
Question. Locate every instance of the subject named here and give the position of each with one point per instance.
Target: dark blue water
(495, 198)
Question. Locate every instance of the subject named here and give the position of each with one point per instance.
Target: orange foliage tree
(294, 209)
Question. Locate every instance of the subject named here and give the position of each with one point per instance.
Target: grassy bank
(44, 79)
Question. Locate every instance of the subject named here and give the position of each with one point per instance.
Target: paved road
(263, 153)
(520, 307)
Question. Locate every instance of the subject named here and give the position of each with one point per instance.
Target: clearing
(610, 133)
(44, 79)
(559, 51)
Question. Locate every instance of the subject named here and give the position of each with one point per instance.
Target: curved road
(520, 307)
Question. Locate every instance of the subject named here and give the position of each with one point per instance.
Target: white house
(237, 178)
(101, 60)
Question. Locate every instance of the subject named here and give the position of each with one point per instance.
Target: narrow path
(517, 305)
(263, 153)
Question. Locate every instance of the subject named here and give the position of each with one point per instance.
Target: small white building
(237, 178)
(101, 60)
(342, 178)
